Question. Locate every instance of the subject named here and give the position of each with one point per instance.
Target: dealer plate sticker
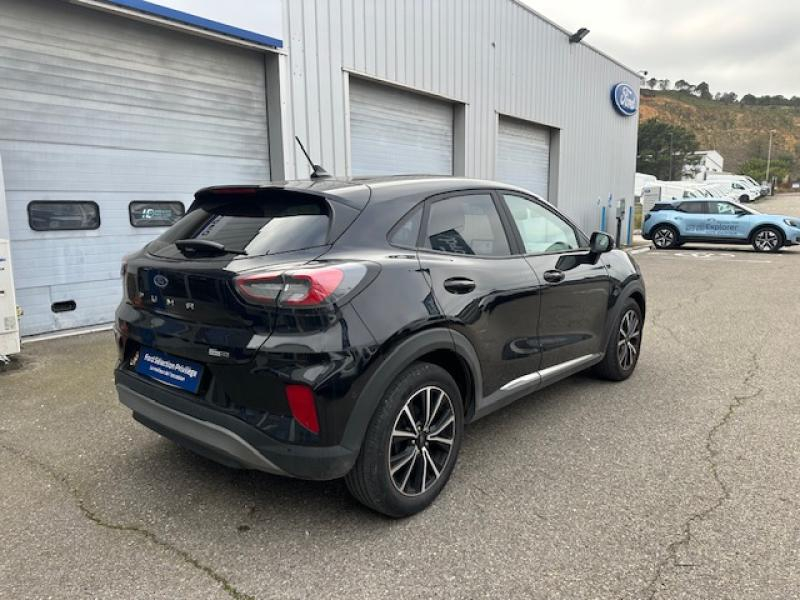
(177, 372)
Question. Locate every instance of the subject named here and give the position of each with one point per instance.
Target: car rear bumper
(224, 438)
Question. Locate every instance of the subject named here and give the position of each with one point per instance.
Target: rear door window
(695, 208)
(466, 224)
(253, 225)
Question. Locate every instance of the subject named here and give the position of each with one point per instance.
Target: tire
(767, 239)
(423, 462)
(665, 237)
(620, 361)
(744, 198)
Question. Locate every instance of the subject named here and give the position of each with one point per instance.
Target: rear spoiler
(342, 212)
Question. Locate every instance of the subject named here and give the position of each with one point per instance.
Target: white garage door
(398, 132)
(96, 108)
(523, 155)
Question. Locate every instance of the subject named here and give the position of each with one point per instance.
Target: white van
(666, 190)
(746, 187)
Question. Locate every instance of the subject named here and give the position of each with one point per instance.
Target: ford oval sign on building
(625, 99)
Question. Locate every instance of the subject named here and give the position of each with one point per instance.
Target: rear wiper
(205, 246)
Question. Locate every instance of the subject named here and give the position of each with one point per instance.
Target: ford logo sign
(625, 99)
(160, 281)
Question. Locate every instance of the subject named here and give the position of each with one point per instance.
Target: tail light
(306, 287)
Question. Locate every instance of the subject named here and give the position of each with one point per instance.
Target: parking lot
(679, 483)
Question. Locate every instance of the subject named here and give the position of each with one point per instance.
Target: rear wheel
(665, 236)
(411, 444)
(744, 198)
(624, 345)
(767, 239)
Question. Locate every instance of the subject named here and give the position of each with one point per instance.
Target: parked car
(352, 328)
(672, 224)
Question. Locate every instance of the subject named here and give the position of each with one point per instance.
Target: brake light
(302, 288)
(303, 407)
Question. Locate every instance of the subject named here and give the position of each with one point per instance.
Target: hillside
(735, 131)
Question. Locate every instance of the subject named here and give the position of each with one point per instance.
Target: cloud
(745, 46)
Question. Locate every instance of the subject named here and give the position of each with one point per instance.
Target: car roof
(382, 187)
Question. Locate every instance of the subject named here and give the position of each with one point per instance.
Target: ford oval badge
(625, 99)
(160, 281)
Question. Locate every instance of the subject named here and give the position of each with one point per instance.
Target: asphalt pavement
(682, 482)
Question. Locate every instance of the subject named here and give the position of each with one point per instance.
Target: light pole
(769, 154)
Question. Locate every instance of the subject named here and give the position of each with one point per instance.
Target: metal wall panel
(494, 56)
(523, 155)
(102, 108)
(398, 132)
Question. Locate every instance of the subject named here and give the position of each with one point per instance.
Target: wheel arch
(440, 346)
(761, 226)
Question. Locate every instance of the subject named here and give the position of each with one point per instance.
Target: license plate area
(169, 370)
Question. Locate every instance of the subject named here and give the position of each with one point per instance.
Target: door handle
(554, 276)
(459, 285)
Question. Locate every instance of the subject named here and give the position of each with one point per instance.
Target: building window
(47, 215)
(155, 214)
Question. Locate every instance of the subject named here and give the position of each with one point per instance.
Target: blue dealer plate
(176, 372)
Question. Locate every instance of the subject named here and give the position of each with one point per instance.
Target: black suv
(350, 328)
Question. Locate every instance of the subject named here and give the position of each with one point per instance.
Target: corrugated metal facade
(493, 56)
(94, 107)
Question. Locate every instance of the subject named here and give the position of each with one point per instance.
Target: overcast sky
(735, 45)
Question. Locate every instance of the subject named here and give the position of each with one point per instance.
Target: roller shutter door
(523, 155)
(394, 131)
(96, 107)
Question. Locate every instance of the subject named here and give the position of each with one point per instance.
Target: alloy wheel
(664, 238)
(767, 240)
(421, 441)
(630, 335)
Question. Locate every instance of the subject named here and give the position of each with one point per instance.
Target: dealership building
(114, 112)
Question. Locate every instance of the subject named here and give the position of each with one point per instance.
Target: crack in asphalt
(92, 516)
(657, 313)
(712, 455)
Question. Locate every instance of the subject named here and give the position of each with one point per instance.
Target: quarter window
(406, 232)
(155, 214)
(466, 224)
(540, 229)
(63, 215)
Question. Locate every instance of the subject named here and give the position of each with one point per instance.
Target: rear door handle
(459, 285)
(554, 276)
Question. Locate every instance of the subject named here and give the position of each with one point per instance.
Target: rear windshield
(252, 225)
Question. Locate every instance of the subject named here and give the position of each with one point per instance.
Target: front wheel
(624, 344)
(411, 444)
(767, 239)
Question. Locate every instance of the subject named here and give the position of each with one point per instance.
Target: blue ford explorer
(672, 224)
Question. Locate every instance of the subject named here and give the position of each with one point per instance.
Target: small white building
(114, 112)
(710, 161)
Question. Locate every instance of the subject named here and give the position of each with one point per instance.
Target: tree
(704, 90)
(729, 98)
(781, 166)
(663, 84)
(748, 100)
(652, 82)
(682, 85)
(664, 149)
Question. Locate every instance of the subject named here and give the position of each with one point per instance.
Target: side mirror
(600, 243)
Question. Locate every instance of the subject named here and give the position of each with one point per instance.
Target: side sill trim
(549, 373)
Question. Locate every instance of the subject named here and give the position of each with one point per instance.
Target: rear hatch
(180, 296)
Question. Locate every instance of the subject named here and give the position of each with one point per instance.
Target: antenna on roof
(317, 172)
